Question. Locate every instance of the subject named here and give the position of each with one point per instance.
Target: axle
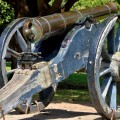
(39, 28)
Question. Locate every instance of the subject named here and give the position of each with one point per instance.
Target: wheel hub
(115, 66)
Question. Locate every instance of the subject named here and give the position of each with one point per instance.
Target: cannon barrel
(39, 28)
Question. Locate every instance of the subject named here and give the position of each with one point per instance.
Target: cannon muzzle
(40, 28)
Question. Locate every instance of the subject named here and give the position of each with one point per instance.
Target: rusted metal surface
(39, 28)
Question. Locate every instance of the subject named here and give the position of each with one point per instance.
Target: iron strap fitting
(87, 21)
(112, 115)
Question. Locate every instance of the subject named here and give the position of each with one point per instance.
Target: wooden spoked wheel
(12, 43)
(104, 69)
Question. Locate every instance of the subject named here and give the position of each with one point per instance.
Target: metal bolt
(24, 101)
(90, 62)
(88, 25)
(58, 75)
(64, 44)
(77, 56)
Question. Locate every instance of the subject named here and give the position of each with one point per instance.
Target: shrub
(81, 4)
(6, 14)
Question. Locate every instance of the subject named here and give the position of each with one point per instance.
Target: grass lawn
(75, 81)
(8, 64)
(73, 89)
(70, 95)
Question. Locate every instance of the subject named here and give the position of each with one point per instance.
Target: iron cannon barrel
(40, 28)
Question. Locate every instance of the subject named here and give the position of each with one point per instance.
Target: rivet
(77, 56)
(90, 62)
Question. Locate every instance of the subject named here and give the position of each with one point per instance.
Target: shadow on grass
(72, 96)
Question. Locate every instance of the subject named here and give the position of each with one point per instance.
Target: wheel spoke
(104, 72)
(4, 70)
(105, 86)
(21, 41)
(111, 42)
(117, 40)
(113, 96)
(32, 47)
(11, 71)
(28, 102)
(13, 53)
(105, 55)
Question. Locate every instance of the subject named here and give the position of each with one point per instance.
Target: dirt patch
(59, 111)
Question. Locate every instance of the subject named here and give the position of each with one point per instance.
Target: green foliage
(75, 81)
(118, 5)
(6, 13)
(118, 1)
(51, 2)
(81, 4)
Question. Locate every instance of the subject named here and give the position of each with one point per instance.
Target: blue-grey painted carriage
(43, 51)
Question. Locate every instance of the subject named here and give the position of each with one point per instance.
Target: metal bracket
(112, 115)
(87, 21)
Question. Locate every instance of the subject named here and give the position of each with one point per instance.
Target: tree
(39, 7)
(34, 8)
(6, 14)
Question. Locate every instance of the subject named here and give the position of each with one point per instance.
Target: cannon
(51, 48)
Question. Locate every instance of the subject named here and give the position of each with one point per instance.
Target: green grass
(8, 66)
(75, 81)
(73, 89)
(70, 95)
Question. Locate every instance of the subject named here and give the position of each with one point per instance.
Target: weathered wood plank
(23, 85)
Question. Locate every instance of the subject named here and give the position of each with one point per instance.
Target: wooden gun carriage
(55, 46)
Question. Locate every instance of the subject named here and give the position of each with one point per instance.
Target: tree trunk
(55, 8)
(34, 8)
(69, 4)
